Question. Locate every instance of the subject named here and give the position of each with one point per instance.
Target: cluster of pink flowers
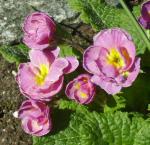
(41, 78)
(111, 64)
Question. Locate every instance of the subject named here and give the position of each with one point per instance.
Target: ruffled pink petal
(115, 37)
(47, 93)
(56, 69)
(145, 10)
(26, 126)
(109, 70)
(90, 56)
(60, 63)
(70, 90)
(30, 42)
(133, 73)
(55, 88)
(73, 63)
(109, 86)
(42, 36)
(38, 57)
(79, 98)
(55, 51)
(45, 129)
(25, 78)
(144, 23)
(129, 47)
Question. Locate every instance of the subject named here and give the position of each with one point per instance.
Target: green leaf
(71, 105)
(16, 53)
(138, 95)
(120, 103)
(100, 15)
(92, 128)
(67, 50)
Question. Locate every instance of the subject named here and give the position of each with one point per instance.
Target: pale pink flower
(81, 89)
(35, 118)
(111, 60)
(42, 78)
(39, 29)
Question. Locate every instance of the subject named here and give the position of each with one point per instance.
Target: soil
(10, 99)
(11, 132)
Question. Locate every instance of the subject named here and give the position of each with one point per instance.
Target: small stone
(5, 18)
(3, 92)
(15, 114)
(8, 120)
(3, 140)
(14, 73)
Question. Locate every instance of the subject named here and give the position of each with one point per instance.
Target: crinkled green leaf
(120, 103)
(92, 128)
(16, 53)
(67, 50)
(100, 15)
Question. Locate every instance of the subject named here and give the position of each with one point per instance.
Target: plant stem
(136, 24)
(148, 33)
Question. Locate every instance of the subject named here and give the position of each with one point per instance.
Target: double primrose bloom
(35, 117)
(39, 30)
(112, 61)
(42, 77)
(81, 89)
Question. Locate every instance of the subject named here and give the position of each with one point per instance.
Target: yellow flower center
(40, 77)
(125, 74)
(114, 58)
(77, 86)
(83, 95)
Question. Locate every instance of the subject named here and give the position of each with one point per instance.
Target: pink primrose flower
(35, 118)
(112, 61)
(81, 89)
(39, 29)
(42, 77)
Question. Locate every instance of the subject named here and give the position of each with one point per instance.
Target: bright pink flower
(39, 30)
(112, 60)
(81, 89)
(42, 78)
(35, 117)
